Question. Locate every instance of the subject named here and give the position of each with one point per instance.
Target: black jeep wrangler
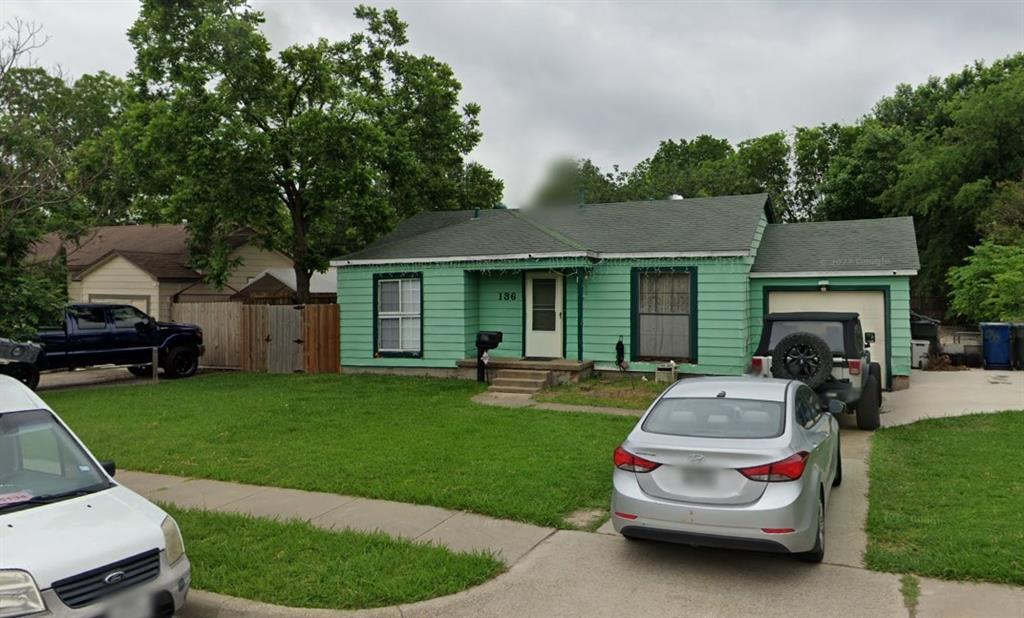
(829, 353)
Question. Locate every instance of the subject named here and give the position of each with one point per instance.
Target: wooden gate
(286, 338)
(320, 331)
(221, 333)
(285, 344)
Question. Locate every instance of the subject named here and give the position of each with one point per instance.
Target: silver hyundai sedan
(730, 462)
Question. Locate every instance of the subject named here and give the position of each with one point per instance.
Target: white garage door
(869, 304)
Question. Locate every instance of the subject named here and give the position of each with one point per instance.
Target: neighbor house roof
(862, 246)
(319, 283)
(160, 250)
(701, 226)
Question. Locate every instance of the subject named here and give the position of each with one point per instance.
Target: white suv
(73, 542)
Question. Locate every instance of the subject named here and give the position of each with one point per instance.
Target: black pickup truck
(95, 334)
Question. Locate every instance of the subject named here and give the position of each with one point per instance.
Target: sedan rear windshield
(831, 332)
(716, 418)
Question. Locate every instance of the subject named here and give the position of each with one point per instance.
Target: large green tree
(51, 171)
(318, 149)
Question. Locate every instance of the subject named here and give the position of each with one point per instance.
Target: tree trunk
(301, 285)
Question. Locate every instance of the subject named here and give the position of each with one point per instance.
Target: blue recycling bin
(995, 344)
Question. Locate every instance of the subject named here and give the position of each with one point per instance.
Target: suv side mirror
(144, 326)
(869, 337)
(836, 407)
(109, 466)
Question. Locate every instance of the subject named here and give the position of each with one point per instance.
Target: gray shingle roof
(833, 246)
(717, 224)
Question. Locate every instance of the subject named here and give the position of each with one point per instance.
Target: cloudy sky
(608, 80)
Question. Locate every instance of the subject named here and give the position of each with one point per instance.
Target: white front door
(544, 315)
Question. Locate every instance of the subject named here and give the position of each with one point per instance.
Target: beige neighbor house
(147, 266)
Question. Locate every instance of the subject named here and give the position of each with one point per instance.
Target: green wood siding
(459, 299)
(722, 314)
(500, 303)
(471, 311)
(899, 310)
(444, 317)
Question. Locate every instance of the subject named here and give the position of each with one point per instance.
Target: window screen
(398, 315)
(663, 315)
(543, 301)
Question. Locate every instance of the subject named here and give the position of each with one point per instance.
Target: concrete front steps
(520, 381)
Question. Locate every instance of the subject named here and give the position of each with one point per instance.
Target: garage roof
(820, 248)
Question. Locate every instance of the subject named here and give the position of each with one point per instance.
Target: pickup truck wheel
(802, 356)
(142, 371)
(22, 372)
(181, 363)
(867, 407)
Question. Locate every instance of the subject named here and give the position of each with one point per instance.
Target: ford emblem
(113, 578)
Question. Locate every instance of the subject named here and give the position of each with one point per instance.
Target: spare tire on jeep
(802, 356)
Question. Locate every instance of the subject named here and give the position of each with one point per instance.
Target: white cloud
(609, 80)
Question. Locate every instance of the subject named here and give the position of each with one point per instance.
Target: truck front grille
(87, 588)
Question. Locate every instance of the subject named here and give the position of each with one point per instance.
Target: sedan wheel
(818, 553)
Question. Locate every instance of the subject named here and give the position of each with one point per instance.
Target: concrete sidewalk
(457, 530)
(515, 400)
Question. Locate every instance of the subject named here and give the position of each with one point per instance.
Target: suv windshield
(716, 418)
(831, 332)
(40, 462)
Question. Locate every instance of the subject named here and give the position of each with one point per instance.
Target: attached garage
(870, 304)
(865, 268)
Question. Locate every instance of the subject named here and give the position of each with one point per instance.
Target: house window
(399, 315)
(664, 307)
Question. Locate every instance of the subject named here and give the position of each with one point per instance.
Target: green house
(683, 280)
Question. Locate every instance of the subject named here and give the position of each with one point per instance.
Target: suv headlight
(172, 540)
(19, 595)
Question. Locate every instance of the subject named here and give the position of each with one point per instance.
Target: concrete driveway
(953, 393)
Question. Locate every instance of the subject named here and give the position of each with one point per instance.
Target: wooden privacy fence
(221, 334)
(286, 339)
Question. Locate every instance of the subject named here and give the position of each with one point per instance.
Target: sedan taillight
(789, 469)
(624, 460)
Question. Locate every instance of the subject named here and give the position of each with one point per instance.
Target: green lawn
(414, 440)
(251, 558)
(947, 498)
(619, 392)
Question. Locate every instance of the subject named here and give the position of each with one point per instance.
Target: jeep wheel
(804, 357)
(181, 363)
(867, 407)
(22, 372)
(874, 369)
(142, 371)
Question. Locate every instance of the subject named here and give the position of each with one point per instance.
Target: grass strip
(299, 565)
(946, 499)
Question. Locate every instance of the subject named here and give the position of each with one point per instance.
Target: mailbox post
(485, 340)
